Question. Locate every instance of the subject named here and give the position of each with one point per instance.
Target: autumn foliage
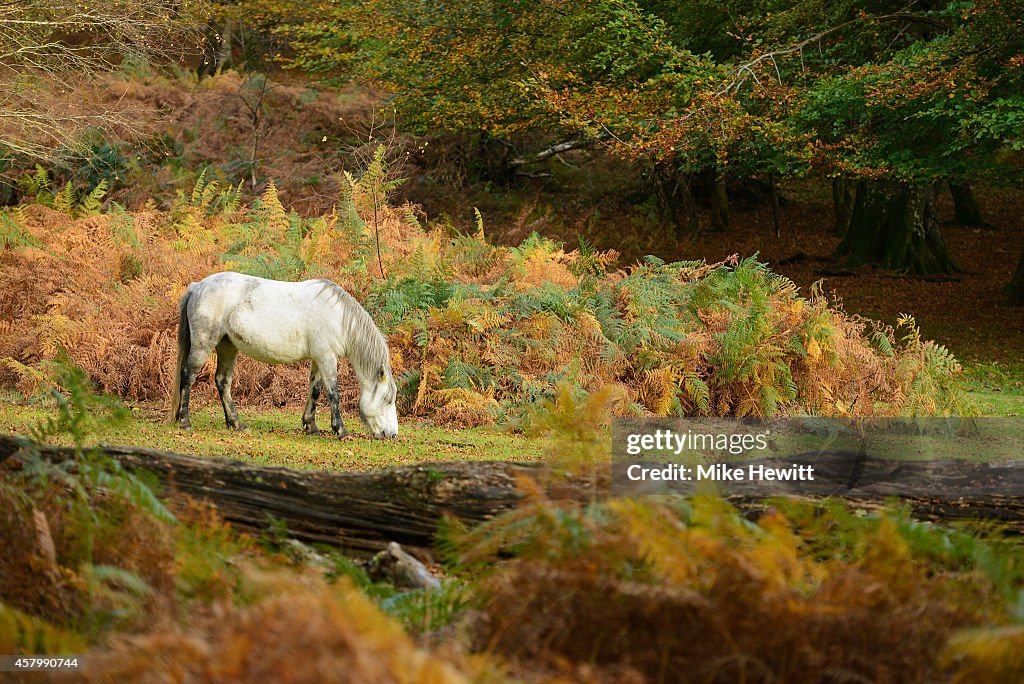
(477, 331)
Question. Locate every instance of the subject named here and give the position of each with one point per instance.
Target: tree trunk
(842, 202)
(1016, 286)
(360, 512)
(966, 210)
(689, 203)
(773, 189)
(676, 204)
(227, 37)
(493, 160)
(719, 202)
(894, 225)
(665, 183)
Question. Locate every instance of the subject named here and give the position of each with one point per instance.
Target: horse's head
(377, 404)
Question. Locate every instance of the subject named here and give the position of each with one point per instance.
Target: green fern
(884, 344)
(375, 184)
(230, 199)
(66, 200)
(199, 189)
(698, 392)
(91, 203)
(122, 227)
(12, 232)
(38, 186)
(348, 213)
(467, 376)
(23, 633)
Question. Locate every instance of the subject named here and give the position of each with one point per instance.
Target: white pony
(281, 322)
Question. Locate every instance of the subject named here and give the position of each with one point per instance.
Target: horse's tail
(184, 348)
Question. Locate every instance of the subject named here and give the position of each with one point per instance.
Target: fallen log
(362, 512)
(941, 491)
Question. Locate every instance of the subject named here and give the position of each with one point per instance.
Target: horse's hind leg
(188, 376)
(227, 354)
(309, 415)
(189, 372)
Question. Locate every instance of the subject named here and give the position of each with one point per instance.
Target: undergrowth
(658, 589)
(691, 591)
(477, 331)
(639, 590)
(95, 565)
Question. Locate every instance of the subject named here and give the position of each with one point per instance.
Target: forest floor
(590, 195)
(967, 312)
(609, 202)
(316, 133)
(216, 588)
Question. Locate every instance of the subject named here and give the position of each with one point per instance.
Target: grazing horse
(281, 322)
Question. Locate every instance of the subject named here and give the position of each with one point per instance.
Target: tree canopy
(916, 92)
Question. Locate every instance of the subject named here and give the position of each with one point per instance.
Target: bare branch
(739, 77)
(54, 54)
(551, 152)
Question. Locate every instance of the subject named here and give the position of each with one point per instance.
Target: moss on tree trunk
(895, 226)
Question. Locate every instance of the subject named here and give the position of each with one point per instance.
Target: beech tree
(940, 105)
(887, 99)
(465, 67)
(891, 99)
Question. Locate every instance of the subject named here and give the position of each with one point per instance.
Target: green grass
(997, 389)
(274, 438)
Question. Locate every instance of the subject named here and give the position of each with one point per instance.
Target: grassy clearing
(997, 389)
(274, 438)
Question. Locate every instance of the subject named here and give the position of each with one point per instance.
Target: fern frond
(65, 200)
(12, 234)
(90, 204)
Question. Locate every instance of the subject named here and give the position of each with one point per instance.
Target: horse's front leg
(329, 380)
(309, 415)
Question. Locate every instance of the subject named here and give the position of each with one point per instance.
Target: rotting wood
(358, 511)
(362, 512)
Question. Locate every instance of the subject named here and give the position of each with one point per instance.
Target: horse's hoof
(185, 427)
(311, 429)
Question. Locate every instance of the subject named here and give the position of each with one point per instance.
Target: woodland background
(556, 212)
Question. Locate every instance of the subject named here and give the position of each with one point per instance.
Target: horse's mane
(372, 354)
